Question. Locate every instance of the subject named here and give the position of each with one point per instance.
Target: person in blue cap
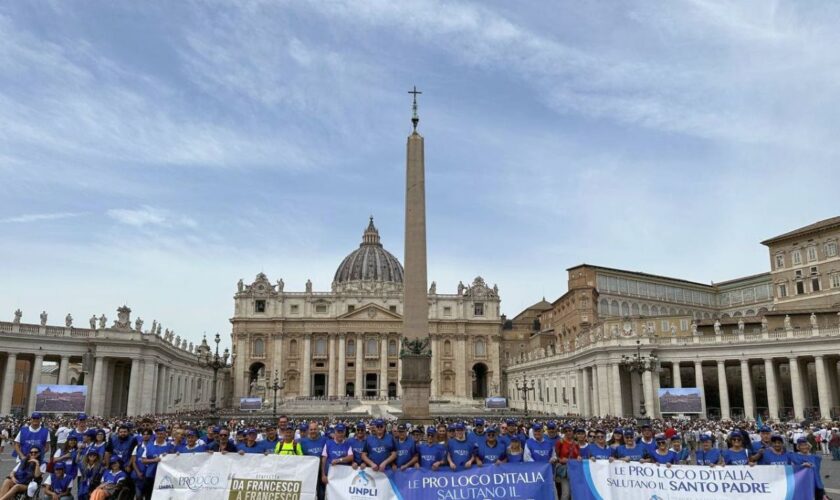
(59, 484)
(646, 440)
(90, 473)
(736, 454)
(461, 454)
(111, 480)
(539, 449)
(269, 443)
(491, 451)
(34, 434)
(69, 456)
(661, 455)
(617, 438)
(803, 458)
(431, 453)
(763, 442)
(775, 454)
(598, 450)
(515, 453)
(138, 469)
(478, 433)
(337, 451)
(551, 432)
(151, 455)
(630, 451)
(100, 444)
(251, 445)
(357, 442)
(380, 449)
(682, 451)
(191, 445)
(706, 453)
(122, 445)
(81, 426)
(406, 449)
(508, 432)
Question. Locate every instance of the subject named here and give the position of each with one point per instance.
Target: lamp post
(640, 364)
(524, 389)
(276, 386)
(215, 363)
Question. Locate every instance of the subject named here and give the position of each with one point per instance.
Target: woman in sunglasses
(736, 454)
(598, 449)
(25, 472)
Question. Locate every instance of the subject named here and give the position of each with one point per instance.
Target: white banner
(231, 476)
(632, 481)
(346, 483)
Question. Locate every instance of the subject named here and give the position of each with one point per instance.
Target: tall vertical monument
(416, 355)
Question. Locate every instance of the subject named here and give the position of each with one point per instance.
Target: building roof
(646, 275)
(743, 278)
(802, 231)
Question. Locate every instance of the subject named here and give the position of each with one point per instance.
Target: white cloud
(150, 216)
(39, 217)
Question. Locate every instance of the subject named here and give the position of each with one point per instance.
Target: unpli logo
(165, 483)
(363, 486)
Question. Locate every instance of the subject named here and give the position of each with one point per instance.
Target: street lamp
(276, 386)
(215, 363)
(640, 364)
(524, 389)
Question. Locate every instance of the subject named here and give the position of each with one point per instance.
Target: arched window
(351, 347)
(259, 347)
(370, 347)
(321, 347)
(293, 347)
(480, 348)
(447, 348)
(392, 348)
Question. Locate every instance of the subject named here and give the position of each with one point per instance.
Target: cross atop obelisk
(415, 356)
(415, 118)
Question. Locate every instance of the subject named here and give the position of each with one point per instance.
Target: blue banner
(515, 481)
(603, 480)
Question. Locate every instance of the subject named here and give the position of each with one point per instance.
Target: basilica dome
(369, 263)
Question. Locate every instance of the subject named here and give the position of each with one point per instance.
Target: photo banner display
(51, 398)
(514, 481)
(231, 476)
(250, 403)
(602, 480)
(680, 400)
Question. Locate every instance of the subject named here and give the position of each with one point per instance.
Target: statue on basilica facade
(694, 327)
(138, 325)
(433, 288)
(68, 320)
(308, 286)
(18, 315)
(93, 322)
(280, 285)
(240, 285)
(741, 325)
(814, 324)
(153, 331)
(461, 288)
(178, 341)
(102, 321)
(788, 325)
(764, 323)
(43, 318)
(717, 327)
(157, 332)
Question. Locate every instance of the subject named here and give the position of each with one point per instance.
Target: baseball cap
(492, 430)
(360, 425)
(217, 429)
(303, 426)
(705, 437)
(160, 428)
(340, 428)
(431, 431)
(458, 426)
(764, 428)
(629, 432)
(402, 427)
(417, 429)
(736, 434)
(378, 422)
(511, 421)
(579, 430)
(36, 415)
(58, 466)
(536, 426)
(81, 416)
(116, 459)
(191, 433)
(90, 433)
(566, 427)
(551, 425)
(777, 437)
(801, 440)
(661, 438)
(92, 452)
(478, 421)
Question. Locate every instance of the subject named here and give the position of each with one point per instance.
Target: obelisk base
(416, 388)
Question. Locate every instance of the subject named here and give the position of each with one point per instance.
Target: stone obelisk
(415, 354)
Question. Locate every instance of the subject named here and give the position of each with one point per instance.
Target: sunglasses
(34, 452)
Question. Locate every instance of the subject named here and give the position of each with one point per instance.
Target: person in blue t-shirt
(491, 451)
(58, 485)
(271, 438)
(706, 454)
(804, 458)
(762, 443)
(122, 445)
(539, 449)
(151, 455)
(551, 433)
(138, 469)
(478, 433)
(508, 432)
(34, 434)
(111, 480)
(461, 452)
(646, 440)
(682, 452)
(357, 442)
(191, 445)
(597, 450)
(630, 451)
(775, 454)
(313, 444)
(431, 453)
(380, 450)
(337, 451)
(81, 427)
(406, 449)
(736, 454)
(661, 455)
(250, 445)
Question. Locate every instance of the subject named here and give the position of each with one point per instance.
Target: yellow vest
(284, 448)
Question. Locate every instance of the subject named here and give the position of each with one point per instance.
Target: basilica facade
(345, 342)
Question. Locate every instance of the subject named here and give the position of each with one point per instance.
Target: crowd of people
(97, 458)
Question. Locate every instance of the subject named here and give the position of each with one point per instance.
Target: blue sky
(153, 153)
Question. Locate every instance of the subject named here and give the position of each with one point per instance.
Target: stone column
(747, 387)
(583, 404)
(654, 378)
(278, 362)
(331, 377)
(35, 380)
(796, 389)
(823, 388)
(460, 366)
(147, 392)
(134, 388)
(306, 378)
(723, 389)
(698, 382)
(772, 388)
(435, 388)
(360, 364)
(603, 388)
(650, 404)
(342, 365)
(97, 396)
(618, 404)
(63, 370)
(676, 375)
(159, 391)
(8, 384)
(383, 367)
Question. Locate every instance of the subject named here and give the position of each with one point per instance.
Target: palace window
(830, 249)
(797, 257)
(800, 287)
(259, 347)
(351, 347)
(815, 284)
(780, 261)
(371, 347)
(782, 290)
(351, 308)
(294, 309)
(480, 348)
(664, 325)
(259, 306)
(683, 325)
(392, 348)
(321, 347)
(447, 311)
(478, 309)
(835, 280)
(812, 253)
(293, 347)
(320, 308)
(447, 348)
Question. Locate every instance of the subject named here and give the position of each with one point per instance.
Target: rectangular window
(320, 308)
(815, 284)
(447, 311)
(683, 325)
(393, 309)
(835, 280)
(814, 270)
(812, 254)
(798, 273)
(830, 249)
(574, 395)
(782, 290)
(478, 309)
(294, 308)
(259, 306)
(800, 287)
(351, 308)
(665, 325)
(797, 257)
(780, 261)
